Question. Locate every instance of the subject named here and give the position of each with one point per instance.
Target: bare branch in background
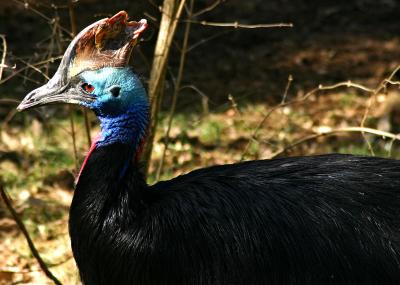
(24, 231)
(3, 56)
(234, 104)
(289, 83)
(330, 132)
(208, 8)
(176, 89)
(204, 97)
(74, 30)
(34, 68)
(382, 86)
(37, 64)
(26, 5)
(348, 84)
(171, 13)
(203, 41)
(238, 25)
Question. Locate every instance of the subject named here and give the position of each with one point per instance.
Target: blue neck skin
(127, 128)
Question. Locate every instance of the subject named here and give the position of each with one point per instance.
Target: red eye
(87, 88)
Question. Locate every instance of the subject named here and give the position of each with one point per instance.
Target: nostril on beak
(31, 97)
(115, 91)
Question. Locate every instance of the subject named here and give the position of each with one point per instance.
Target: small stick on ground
(21, 226)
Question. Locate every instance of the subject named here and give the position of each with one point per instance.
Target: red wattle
(92, 147)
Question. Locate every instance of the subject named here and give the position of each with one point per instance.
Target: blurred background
(328, 84)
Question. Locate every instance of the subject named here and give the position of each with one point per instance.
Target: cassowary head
(93, 71)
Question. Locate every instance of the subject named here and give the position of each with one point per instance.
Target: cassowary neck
(127, 128)
(110, 193)
(109, 196)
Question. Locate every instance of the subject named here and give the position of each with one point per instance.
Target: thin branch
(176, 89)
(197, 90)
(40, 14)
(24, 231)
(3, 57)
(34, 68)
(288, 84)
(8, 66)
(204, 98)
(321, 87)
(234, 104)
(26, 78)
(208, 8)
(203, 41)
(49, 60)
(329, 132)
(381, 86)
(9, 100)
(171, 13)
(150, 17)
(238, 25)
(74, 31)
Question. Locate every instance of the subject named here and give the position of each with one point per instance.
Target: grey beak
(43, 95)
(55, 92)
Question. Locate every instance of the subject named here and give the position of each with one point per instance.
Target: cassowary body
(332, 219)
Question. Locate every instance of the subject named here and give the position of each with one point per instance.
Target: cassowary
(329, 219)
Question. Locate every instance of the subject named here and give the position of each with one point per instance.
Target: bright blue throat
(127, 128)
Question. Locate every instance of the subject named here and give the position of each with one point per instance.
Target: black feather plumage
(330, 219)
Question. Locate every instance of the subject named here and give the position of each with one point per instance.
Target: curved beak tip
(27, 101)
(20, 107)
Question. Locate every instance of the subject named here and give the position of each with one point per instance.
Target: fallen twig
(24, 231)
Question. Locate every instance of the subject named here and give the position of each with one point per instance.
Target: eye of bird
(87, 88)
